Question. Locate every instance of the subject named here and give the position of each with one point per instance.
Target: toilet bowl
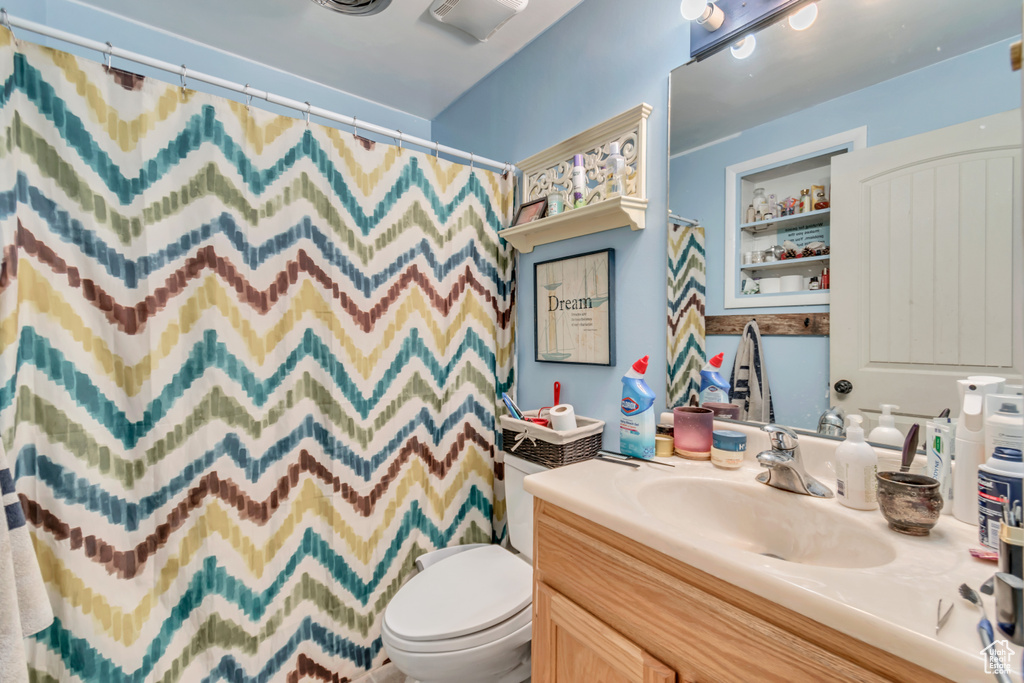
(466, 618)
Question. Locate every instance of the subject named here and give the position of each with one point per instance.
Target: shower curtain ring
(355, 130)
(308, 107)
(437, 149)
(6, 21)
(472, 161)
(401, 139)
(110, 54)
(248, 96)
(184, 73)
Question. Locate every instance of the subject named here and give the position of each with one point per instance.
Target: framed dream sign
(574, 309)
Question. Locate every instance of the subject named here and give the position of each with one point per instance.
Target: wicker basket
(547, 447)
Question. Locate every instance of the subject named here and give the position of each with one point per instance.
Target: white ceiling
(401, 57)
(852, 45)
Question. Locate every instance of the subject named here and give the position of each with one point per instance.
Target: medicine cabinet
(786, 279)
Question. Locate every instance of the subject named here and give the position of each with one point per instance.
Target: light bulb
(692, 9)
(804, 17)
(744, 48)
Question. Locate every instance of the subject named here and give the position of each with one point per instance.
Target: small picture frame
(574, 309)
(531, 211)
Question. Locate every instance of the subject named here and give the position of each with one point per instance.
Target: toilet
(466, 616)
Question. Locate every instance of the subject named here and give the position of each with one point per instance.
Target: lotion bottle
(886, 432)
(856, 467)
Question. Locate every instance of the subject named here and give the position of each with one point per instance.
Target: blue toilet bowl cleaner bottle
(636, 428)
(713, 389)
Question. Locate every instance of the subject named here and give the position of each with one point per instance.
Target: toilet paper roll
(563, 417)
(792, 283)
(769, 285)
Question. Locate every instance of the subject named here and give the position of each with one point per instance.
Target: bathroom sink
(765, 521)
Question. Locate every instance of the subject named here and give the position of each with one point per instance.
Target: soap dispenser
(886, 432)
(856, 467)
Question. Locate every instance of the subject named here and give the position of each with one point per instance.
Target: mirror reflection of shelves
(812, 263)
(799, 220)
(779, 177)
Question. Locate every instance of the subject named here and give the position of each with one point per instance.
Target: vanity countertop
(891, 606)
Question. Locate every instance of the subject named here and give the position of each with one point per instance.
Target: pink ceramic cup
(693, 432)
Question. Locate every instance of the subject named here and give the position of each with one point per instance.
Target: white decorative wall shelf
(549, 172)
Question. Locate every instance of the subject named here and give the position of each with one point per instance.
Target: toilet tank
(519, 504)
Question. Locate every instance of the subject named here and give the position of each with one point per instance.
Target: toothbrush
(984, 629)
(511, 405)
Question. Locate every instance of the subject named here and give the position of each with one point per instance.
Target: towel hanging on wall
(24, 606)
(749, 378)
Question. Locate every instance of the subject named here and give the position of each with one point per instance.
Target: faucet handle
(778, 434)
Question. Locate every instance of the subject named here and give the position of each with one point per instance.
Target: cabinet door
(570, 645)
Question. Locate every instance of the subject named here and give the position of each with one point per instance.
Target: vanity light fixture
(745, 47)
(706, 14)
(804, 17)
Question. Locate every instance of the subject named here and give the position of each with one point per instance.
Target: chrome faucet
(786, 466)
(832, 422)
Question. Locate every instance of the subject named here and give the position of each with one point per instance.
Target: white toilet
(465, 618)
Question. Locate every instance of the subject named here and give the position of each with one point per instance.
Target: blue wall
(598, 61)
(966, 87)
(96, 24)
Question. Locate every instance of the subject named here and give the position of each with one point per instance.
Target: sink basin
(765, 521)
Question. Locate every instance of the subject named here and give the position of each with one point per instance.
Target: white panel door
(926, 239)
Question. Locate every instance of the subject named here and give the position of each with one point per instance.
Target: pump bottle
(856, 467)
(886, 432)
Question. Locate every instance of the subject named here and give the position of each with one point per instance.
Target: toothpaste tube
(939, 463)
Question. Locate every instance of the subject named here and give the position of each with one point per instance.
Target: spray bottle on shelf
(886, 431)
(636, 427)
(713, 388)
(579, 182)
(615, 166)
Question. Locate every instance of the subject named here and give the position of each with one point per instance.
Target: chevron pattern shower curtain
(249, 373)
(686, 294)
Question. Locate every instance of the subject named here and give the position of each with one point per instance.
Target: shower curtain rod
(108, 50)
(682, 221)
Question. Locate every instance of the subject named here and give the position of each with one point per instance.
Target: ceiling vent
(479, 18)
(361, 8)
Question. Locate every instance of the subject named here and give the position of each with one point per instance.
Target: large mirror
(901, 122)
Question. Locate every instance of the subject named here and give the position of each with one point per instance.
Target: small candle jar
(728, 448)
(556, 204)
(693, 427)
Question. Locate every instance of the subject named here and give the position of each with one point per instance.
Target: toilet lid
(465, 593)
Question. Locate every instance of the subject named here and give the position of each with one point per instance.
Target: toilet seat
(513, 625)
(466, 600)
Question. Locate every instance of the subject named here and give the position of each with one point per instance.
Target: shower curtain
(249, 373)
(686, 294)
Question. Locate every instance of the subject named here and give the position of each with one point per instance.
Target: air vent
(362, 8)
(479, 18)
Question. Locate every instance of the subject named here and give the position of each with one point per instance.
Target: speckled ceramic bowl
(911, 503)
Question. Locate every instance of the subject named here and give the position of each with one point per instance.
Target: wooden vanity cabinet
(608, 609)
